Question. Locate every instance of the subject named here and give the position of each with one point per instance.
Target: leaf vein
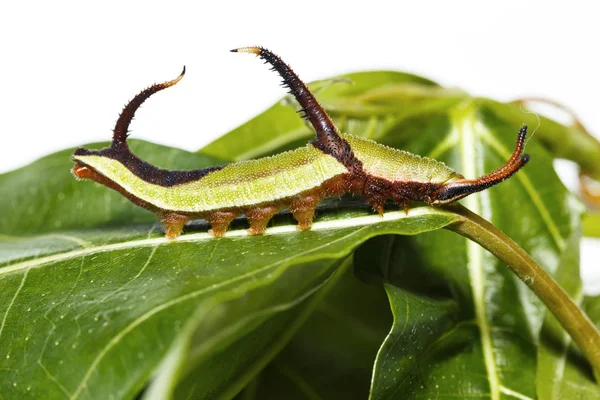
(53, 379)
(13, 302)
(513, 393)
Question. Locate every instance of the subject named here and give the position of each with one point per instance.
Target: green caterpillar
(330, 165)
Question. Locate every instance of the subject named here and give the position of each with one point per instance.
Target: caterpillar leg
(259, 217)
(303, 209)
(219, 221)
(305, 219)
(173, 224)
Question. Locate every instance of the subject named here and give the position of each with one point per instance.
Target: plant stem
(583, 332)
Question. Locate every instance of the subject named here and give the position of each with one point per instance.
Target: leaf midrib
(205, 236)
(464, 120)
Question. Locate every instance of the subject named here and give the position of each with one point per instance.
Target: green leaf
(332, 355)
(204, 365)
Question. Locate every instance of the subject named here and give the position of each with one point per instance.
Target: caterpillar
(330, 165)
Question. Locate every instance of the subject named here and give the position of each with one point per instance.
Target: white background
(67, 68)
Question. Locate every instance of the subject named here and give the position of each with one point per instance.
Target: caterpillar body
(330, 165)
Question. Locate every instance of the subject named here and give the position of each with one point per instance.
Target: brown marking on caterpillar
(377, 191)
(146, 171)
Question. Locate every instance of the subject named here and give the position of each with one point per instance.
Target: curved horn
(122, 125)
(458, 189)
(328, 137)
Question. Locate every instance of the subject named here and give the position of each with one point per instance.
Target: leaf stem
(581, 329)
